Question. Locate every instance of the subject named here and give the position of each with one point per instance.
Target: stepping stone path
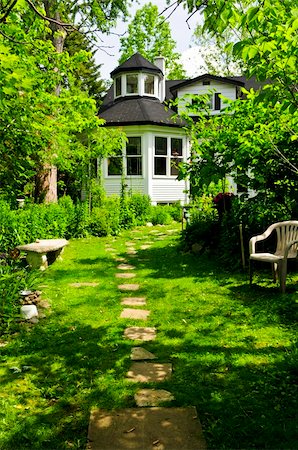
(134, 301)
(125, 267)
(129, 287)
(125, 275)
(152, 397)
(130, 313)
(149, 426)
(147, 372)
(139, 353)
(140, 333)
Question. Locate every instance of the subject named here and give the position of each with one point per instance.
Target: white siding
(168, 191)
(227, 90)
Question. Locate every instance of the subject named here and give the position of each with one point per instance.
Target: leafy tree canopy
(149, 34)
(256, 139)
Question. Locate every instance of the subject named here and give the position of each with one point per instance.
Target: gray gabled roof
(136, 63)
(206, 76)
(139, 111)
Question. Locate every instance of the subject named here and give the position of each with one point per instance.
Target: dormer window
(149, 84)
(132, 84)
(118, 86)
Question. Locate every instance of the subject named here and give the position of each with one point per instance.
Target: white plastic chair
(286, 247)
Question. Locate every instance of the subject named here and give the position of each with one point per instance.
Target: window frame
(169, 157)
(123, 155)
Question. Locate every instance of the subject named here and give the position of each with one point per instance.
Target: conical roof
(136, 63)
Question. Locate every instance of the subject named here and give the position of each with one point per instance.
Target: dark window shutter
(217, 102)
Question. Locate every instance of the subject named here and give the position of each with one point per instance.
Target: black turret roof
(136, 63)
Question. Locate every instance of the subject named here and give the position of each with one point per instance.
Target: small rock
(44, 304)
(33, 320)
(29, 311)
(149, 224)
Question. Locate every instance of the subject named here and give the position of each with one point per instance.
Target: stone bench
(42, 252)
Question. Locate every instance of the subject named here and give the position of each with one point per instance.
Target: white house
(156, 138)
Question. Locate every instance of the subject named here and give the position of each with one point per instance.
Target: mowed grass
(233, 349)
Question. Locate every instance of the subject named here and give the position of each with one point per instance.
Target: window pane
(176, 147)
(160, 166)
(174, 165)
(132, 84)
(118, 86)
(161, 146)
(133, 146)
(115, 165)
(149, 84)
(134, 165)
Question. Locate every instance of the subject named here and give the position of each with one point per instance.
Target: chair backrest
(286, 232)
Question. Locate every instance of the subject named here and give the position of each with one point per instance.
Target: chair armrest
(289, 245)
(259, 237)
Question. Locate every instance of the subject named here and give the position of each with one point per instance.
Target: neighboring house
(156, 138)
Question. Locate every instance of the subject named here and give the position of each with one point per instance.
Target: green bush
(255, 215)
(202, 224)
(160, 215)
(105, 220)
(140, 205)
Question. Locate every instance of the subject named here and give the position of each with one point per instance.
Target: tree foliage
(37, 127)
(149, 34)
(255, 140)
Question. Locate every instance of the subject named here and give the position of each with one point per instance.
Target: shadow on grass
(66, 371)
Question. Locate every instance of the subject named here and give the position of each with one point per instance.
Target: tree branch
(3, 18)
(57, 22)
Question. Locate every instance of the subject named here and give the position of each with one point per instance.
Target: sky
(180, 30)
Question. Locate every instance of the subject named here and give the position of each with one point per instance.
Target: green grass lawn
(233, 348)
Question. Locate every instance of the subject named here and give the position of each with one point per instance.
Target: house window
(118, 86)
(132, 84)
(115, 164)
(129, 163)
(134, 156)
(217, 101)
(161, 153)
(167, 155)
(176, 155)
(149, 84)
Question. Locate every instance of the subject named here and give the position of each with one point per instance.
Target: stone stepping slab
(125, 267)
(125, 275)
(134, 301)
(121, 259)
(131, 252)
(83, 284)
(152, 397)
(141, 354)
(146, 429)
(140, 333)
(129, 287)
(148, 372)
(145, 247)
(129, 244)
(130, 313)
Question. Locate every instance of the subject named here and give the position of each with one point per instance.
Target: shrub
(140, 205)
(202, 226)
(106, 219)
(160, 215)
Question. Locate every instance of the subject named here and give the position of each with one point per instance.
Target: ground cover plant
(233, 349)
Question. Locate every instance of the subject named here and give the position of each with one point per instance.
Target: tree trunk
(47, 179)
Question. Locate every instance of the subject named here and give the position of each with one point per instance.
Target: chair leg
(283, 275)
(250, 271)
(274, 271)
